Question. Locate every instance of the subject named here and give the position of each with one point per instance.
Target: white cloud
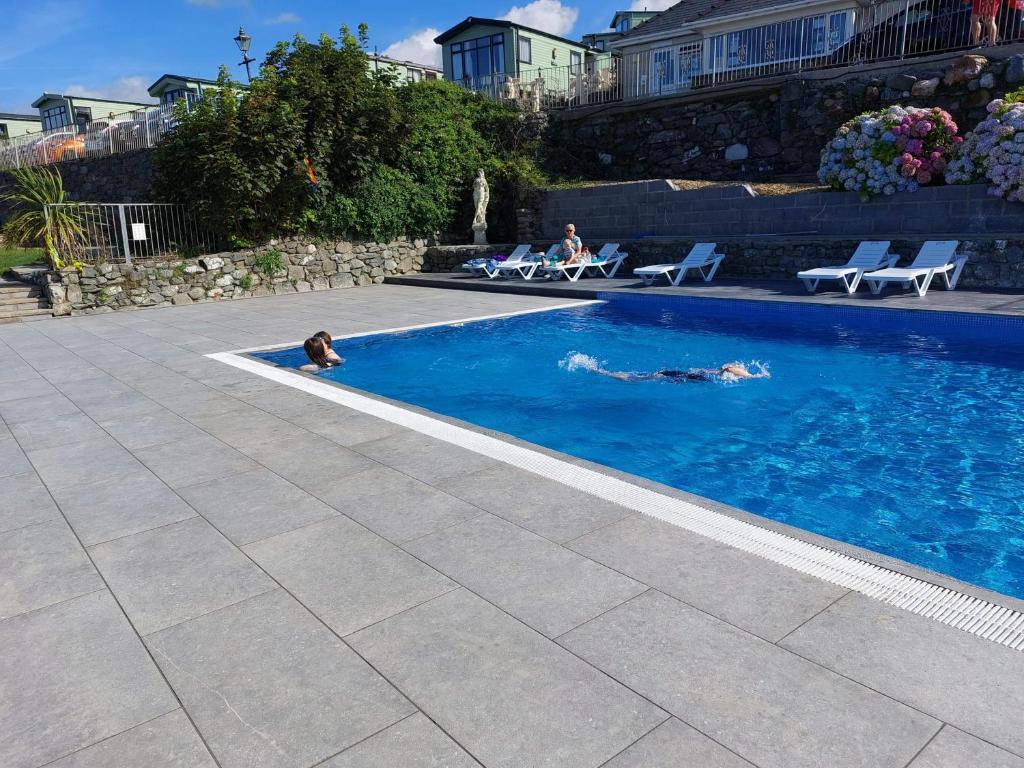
(124, 89)
(418, 47)
(546, 15)
(283, 18)
(652, 5)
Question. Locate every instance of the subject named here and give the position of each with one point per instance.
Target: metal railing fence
(866, 32)
(125, 232)
(140, 129)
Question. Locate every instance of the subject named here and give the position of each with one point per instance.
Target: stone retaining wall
(771, 128)
(992, 264)
(657, 209)
(305, 266)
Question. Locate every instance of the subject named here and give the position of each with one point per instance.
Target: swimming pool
(898, 431)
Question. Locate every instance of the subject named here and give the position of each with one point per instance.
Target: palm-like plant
(58, 229)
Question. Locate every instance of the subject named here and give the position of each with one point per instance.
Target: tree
(43, 215)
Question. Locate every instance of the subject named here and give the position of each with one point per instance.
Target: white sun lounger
(524, 268)
(936, 257)
(605, 263)
(870, 254)
(701, 257)
(478, 266)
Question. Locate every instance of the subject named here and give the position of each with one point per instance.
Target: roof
(631, 14)
(472, 21)
(50, 96)
(690, 12)
(186, 78)
(15, 116)
(378, 57)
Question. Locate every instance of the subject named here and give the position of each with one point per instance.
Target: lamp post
(243, 41)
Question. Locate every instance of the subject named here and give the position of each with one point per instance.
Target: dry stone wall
(304, 266)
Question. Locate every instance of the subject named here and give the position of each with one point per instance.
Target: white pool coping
(971, 614)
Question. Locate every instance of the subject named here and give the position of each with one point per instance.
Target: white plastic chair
(869, 255)
(701, 257)
(936, 258)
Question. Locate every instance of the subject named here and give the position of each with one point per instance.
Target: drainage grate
(971, 614)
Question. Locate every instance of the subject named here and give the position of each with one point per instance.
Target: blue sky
(116, 48)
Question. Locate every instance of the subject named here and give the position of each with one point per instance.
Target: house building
(169, 89)
(12, 125)
(407, 71)
(700, 41)
(622, 22)
(58, 110)
(487, 54)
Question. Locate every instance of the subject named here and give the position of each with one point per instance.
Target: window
(575, 62)
(176, 94)
(623, 25)
(599, 44)
(525, 50)
(3, 132)
(430, 75)
(55, 117)
(663, 70)
(413, 75)
(478, 58)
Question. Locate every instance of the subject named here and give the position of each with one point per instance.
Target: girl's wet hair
(316, 351)
(325, 336)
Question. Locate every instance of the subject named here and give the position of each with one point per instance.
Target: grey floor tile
(152, 428)
(268, 685)
(169, 741)
(69, 466)
(203, 405)
(12, 458)
(922, 662)
(193, 461)
(24, 500)
(346, 575)
(40, 565)
(70, 675)
(243, 428)
(5, 431)
(28, 385)
(345, 426)
(770, 706)
(956, 749)
(394, 505)
(541, 583)
(511, 697)
(103, 510)
(553, 510)
(424, 457)
(32, 408)
(46, 432)
(750, 592)
(122, 405)
(255, 505)
(312, 462)
(674, 743)
(177, 572)
(412, 743)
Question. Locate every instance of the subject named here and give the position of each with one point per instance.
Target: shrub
(60, 234)
(896, 150)
(388, 160)
(994, 152)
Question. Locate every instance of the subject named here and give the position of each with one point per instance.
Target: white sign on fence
(138, 231)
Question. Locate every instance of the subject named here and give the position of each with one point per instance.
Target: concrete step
(7, 287)
(11, 301)
(18, 314)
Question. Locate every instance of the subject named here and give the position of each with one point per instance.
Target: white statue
(536, 93)
(481, 197)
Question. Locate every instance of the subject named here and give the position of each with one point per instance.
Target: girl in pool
(728, 372)
(317, 351)
(331, 354)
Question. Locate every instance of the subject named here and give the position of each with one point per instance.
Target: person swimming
(729, 372)
(319, 355)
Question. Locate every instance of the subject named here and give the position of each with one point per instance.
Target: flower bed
(896, 150)
(994, 152)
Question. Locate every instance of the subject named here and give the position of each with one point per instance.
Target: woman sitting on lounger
(727, 372)
(569, 250)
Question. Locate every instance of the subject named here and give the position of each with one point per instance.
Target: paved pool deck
(202, 567)
(937, 299)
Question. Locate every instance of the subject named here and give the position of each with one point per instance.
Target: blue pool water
(902, 432)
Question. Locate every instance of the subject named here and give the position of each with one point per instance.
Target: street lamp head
(243, 40)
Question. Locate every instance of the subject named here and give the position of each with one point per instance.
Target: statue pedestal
(479, 234)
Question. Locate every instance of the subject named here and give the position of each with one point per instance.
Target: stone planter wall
(448, 258)
(306, 266)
